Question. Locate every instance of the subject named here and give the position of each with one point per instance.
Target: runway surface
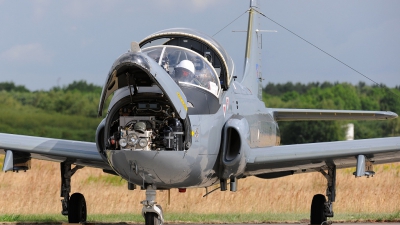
(302, 224)
(122, 223)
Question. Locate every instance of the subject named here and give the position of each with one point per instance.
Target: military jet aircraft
(180, 118)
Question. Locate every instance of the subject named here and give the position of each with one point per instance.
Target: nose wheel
(151, 212)
(151, 218)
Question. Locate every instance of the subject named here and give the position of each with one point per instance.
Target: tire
(77, 211)
(317, 215)
(151, 219)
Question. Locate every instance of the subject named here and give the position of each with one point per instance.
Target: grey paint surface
(318, 114)
(78, 152)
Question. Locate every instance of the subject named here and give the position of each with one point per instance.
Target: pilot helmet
(185, 69)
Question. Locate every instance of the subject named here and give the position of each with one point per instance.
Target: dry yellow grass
(37, 192)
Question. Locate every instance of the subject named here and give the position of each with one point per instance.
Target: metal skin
(197, 166)
(195, 135)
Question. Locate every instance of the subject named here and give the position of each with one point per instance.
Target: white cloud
(40, 8)
(29, 53)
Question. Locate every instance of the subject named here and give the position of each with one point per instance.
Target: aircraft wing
(281, 114)
(57, 150)
(290, 159)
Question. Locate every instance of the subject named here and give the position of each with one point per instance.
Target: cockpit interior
(186, 67)
(210, 59)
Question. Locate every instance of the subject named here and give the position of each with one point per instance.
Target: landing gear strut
(151, 212)
(320, 208)
(74, 206)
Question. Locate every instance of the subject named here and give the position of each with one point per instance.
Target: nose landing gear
(151, 212)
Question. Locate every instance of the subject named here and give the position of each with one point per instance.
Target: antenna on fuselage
(135, 47)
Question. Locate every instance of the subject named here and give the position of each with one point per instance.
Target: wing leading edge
(313, 157)
(57, 150)
(281, 114)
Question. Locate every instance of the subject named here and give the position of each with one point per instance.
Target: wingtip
(393, 115)
(389, 115)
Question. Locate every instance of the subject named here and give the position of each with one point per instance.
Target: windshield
(186, 67)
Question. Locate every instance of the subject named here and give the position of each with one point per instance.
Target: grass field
(202, 218)
(37, 192)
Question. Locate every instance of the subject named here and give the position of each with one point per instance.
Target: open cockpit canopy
(204, 45)
(199, 67)
(186, 67)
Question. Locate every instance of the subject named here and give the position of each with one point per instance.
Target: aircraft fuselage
(200, 165)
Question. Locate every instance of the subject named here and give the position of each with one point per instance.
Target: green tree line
(70, 112)
(78, 98)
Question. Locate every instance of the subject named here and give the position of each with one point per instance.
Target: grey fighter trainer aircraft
(180, 118)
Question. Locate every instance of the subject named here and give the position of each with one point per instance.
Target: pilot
(184, 71)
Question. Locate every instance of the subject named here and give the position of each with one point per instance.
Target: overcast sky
(47, 43)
